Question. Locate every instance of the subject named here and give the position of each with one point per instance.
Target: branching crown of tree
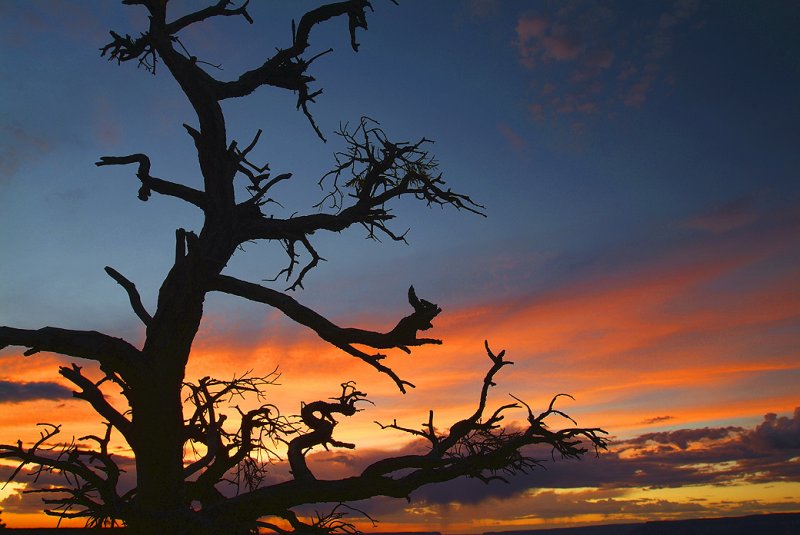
(221, 485)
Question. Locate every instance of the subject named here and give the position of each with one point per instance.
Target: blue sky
(687, 109)
(621, 149)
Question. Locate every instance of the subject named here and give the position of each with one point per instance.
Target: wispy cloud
(728, 216)
(657, 420)
(483, 8)
(19, 145)
(511, 136)
(106, 128)
(602, 56)
(38, 20)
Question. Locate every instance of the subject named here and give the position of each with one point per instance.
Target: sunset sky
(640, 167)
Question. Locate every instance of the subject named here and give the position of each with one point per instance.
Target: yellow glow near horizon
(776, 492)
(9, 489)
(559, 507)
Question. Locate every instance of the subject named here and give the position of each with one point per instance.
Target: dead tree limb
(402, 336)
(318, 416)
(90, 391)
(133, 294)
(114, 353)
(91, 476)
(151, 183)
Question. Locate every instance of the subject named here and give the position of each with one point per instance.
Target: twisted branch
(115, 354)
(473, 447)
(133, 295)
(318, 417)
(402, 336)
(91, 392)
(151, 183)
(220, 9)
(479, 437)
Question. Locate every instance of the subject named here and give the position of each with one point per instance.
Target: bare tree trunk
(156, 406)
(158, 420)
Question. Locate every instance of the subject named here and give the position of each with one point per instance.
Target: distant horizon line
(782, 520)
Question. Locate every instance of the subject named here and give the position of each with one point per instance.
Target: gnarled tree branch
(133, 295)
(402, 336)
(91, 476)
(220, 9)
(113, 353)
(151, 183)
(370, 173)
(245, 451)
(318, 417)
(287, 68)
(91, 392)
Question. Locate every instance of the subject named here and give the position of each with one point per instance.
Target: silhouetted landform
(52, 531)
(94, 531)
(774, 524)
(404, 533)
(605, 529)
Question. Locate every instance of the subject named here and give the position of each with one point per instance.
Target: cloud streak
(729, 216)
(16, 392)
(597, 63)
(18, 146)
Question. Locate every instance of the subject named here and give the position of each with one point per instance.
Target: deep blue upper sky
(590, 131)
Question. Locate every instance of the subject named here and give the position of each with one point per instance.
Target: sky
(639, 170)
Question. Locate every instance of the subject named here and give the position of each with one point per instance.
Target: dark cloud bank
(767, 453)
(14, 392)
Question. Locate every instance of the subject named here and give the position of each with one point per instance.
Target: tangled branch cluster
(479, 447)
(373, 170)
(476, 446)
(90, 476)
(240, 457)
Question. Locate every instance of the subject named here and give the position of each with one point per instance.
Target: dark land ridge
(772, 524)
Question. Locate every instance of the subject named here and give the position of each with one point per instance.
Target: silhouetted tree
(175, 494)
